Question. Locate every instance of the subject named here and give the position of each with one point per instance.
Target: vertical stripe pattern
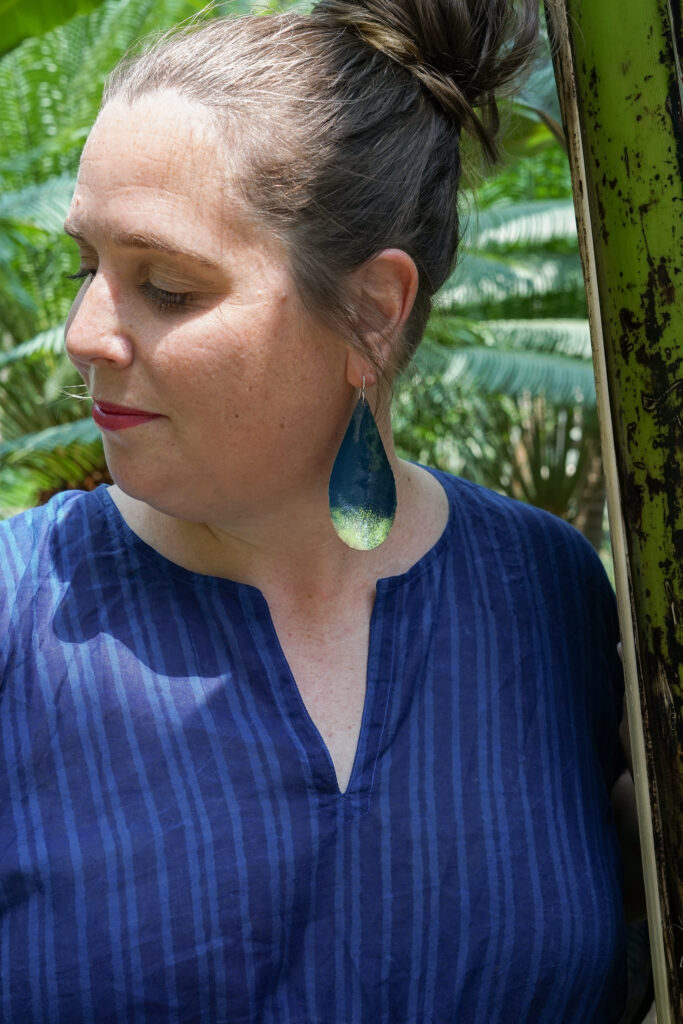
(173, 843)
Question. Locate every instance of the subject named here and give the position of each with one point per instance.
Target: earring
(362, 487)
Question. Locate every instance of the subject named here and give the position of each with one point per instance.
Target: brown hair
(362, 103)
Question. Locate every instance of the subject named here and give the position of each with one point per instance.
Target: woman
(252, 773)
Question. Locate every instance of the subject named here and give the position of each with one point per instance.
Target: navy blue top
(173, 843)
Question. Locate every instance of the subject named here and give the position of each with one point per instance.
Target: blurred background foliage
(501, 391)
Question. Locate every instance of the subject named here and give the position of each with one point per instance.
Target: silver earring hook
(362, 389)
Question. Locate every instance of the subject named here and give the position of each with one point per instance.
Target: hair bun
(462, 51)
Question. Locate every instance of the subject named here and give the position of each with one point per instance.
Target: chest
(174, 836)
(191, 840)
(328, 661)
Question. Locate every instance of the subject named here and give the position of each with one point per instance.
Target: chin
(158, 486)
(142, 479)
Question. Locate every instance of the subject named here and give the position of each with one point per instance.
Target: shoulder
(514, 538)
(502, 514)
(37, 547)
(544, 586)
(24, 536)
(40, 553)
(502, 517)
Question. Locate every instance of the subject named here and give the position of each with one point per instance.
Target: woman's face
(189, 312)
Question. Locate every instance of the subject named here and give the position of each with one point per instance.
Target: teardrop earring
(362, 489)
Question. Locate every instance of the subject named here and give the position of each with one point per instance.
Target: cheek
(249, 348)
(255, 369)
(203, 365)
(209, 377)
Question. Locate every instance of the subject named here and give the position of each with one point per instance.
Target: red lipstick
(119, 417)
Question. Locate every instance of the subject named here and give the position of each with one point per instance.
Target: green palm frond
(47, 343)
(539, 94)
(46, 443)
(569, 337)
(42, 206)
(543, 458)
(550, 357)
(30, 218)
(25, 18)
(80, 433)
(559, 336)
(38, 386)
(18, 307)
(481, 280)
(545, 175)
(36, 397)
(36, 465)
(534, 223)
(60, 456)
(50, 86)
(50, 89)
(492, 371)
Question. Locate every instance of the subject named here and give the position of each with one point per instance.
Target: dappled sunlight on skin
(222, 352)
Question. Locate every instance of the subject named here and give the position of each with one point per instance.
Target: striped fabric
(173, 844)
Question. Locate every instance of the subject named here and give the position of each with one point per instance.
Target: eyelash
(164, 301)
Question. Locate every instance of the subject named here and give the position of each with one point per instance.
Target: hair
(362, 104)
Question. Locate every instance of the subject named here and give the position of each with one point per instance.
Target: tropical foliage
(50, 88)
(502, 388)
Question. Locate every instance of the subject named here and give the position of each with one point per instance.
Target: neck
(294, 548)
(288, 542)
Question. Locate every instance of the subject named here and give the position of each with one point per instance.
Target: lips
(109, 408)
(110, 416)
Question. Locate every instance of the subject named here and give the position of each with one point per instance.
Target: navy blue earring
(362, 486)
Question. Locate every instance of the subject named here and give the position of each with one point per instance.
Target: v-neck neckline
(297, 718)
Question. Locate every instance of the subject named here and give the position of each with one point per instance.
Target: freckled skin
(255, 396)
(253, 391)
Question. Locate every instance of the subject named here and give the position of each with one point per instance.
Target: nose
(94, 329)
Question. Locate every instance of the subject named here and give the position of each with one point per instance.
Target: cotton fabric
(173, 843)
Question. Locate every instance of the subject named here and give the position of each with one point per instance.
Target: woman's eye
(80, 274)
(165, 300)
(162, 299)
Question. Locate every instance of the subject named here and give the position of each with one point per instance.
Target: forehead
(157, 164)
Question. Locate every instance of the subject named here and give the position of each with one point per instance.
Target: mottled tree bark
(618, 64)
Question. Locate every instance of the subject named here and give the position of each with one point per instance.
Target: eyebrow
(144, 240)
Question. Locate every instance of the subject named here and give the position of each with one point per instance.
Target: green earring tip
(362, 487)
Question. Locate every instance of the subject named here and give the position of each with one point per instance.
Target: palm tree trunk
(618, 65)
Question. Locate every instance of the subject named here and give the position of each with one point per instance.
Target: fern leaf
(532, 224)
(560, 336)
(563, 381)
(47, 343)
(481, 280)
(41, 206)
(52, 439)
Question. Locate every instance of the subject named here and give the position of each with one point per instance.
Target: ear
(386, 286)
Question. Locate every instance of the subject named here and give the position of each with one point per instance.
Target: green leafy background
(500, 391)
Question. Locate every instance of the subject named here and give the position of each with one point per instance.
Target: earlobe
(358, 369)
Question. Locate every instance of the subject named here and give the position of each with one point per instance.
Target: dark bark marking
(630, 325)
